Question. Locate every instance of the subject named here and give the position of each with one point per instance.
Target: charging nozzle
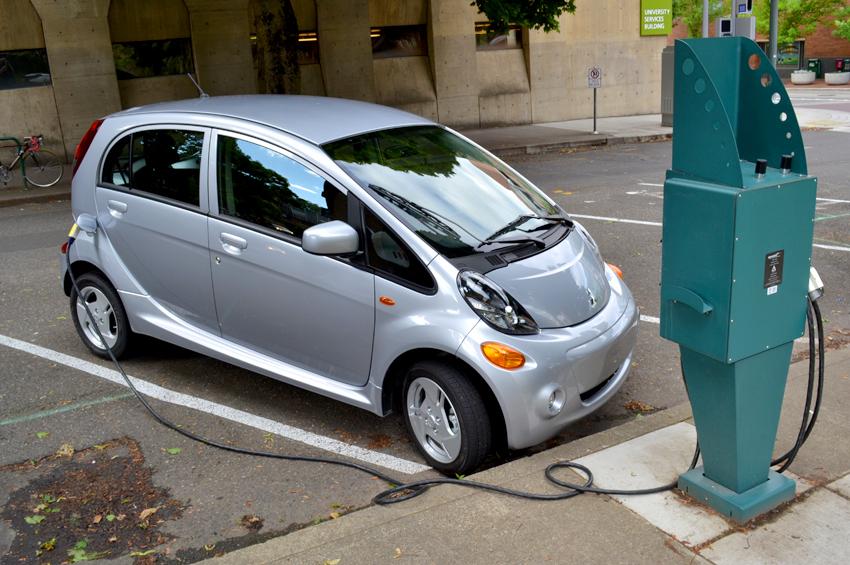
(815, 284)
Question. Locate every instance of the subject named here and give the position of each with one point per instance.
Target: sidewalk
(455, 525)
(558, 136)
(17, 195)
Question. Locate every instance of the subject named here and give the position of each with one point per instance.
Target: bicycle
(39, 167)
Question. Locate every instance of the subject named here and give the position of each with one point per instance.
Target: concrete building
(77, 60)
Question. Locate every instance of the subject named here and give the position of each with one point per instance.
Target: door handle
(116, 207)
(232, 242)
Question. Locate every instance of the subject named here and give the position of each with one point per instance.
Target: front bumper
(583, 365)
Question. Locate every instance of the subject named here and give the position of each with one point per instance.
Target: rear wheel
(447, 417)
(107, 311)
(43, 168)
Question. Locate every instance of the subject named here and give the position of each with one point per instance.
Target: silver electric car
(357, 251)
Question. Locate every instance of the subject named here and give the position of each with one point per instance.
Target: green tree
(842, 23)
(689, 12)
(533, 14)
(797, 18)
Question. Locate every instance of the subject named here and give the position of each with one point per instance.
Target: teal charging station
(737, 239)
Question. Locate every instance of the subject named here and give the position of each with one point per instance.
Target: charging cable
(400, 490)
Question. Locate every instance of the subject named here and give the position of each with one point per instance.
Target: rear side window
(389, 256)
(165, 163)
(267, 188)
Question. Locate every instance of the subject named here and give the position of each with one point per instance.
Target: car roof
(317, 119)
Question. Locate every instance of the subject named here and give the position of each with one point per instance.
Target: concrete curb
(558, 146)
(508, 474)
(16, 197)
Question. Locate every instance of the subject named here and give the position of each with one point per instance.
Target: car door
(152, 204)
(315, 312)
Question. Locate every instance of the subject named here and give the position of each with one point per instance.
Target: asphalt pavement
(59, 398)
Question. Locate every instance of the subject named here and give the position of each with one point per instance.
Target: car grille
(589, 394)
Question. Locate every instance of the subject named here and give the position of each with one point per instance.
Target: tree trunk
(277, 47)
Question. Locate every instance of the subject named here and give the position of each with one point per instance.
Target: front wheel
(447, 417)
(43, 168)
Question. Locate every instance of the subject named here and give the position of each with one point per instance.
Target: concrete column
(548, 72)
(345, 49)
(222, 46)
(76, 35)
(451, 43)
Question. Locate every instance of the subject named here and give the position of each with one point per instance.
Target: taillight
(84, 145)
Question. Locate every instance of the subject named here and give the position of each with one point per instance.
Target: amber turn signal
(617, 270)
(502, 355)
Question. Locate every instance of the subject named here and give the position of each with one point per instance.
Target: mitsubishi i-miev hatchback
(354, 250)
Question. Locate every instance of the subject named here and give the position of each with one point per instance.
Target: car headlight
(494, 305)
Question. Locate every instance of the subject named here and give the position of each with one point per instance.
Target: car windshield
(450, 192)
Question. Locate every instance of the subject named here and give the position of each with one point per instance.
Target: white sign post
(594, 81)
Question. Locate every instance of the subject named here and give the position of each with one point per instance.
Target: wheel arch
(80, 268)
(392, 387)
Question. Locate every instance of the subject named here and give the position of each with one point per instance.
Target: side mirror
(330, 238)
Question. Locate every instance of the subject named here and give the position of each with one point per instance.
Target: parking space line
(659, 224)
(62, 409)
(619, 220)
(650, 319)
(222, 411)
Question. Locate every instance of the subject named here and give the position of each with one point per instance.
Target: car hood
(562, 286)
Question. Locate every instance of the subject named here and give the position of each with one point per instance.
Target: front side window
(162, 162)
(271, 190)
(445, 189)
(389, 256)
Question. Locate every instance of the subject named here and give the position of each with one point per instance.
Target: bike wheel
(43, 168)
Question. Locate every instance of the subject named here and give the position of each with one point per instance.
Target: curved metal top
(317, 119)
(730, 109)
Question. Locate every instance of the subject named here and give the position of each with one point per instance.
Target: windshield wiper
(519, 220)
(428, 217)
(522, 239)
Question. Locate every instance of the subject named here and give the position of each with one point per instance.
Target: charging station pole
(736, 252)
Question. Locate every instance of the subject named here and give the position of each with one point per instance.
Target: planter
(802, 77)
(837, 78)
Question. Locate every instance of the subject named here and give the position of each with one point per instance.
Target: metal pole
(774, 31)
(734, 17)
(594, 111)
(705, 18)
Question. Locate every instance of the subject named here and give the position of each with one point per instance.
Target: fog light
(502, 355)
(556, 402)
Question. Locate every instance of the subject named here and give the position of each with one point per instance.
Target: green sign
(656, 17)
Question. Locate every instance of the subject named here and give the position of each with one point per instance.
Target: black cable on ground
(401, 491)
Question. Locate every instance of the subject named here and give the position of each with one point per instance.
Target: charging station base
(740, 506)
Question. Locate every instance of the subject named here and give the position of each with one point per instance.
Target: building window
(142, 59)
(24, 68)
(399, 41)
(308, 48)
(486, 39)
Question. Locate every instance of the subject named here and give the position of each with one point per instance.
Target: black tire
(44, 168)
(476, 436)
(116, 319)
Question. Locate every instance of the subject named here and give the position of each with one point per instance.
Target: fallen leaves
(65, 450)
(35, 519)
(251, 522)
(41, 435)
(639, 407)
(173, 450)
(147, 513)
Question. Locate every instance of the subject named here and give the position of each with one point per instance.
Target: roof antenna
(198, 86)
